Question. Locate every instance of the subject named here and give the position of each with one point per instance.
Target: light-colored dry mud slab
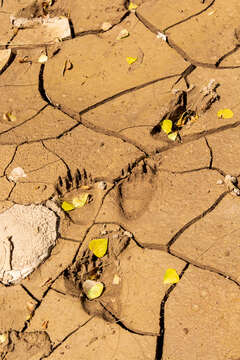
(202, 317)
(13, 309)
(28, 233)
(214, 240)
(98, 339)
(155, 215)
(141, 273)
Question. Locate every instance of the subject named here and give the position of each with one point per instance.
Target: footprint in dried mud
(106, 270)
(76, 186)
(26, 345)
(136, 191)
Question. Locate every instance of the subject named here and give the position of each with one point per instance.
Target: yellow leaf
(3, 338)
(132, 6)
(167, 126)
(9, 116)
(98, 247)
(131, 60)
(93, 289)
(81, 200)
(171, 277)
(225, 114)
(67, 206)
(173, 135)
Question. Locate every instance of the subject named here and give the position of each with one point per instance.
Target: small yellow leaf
(171, 277)
(167, 126)
(81, 200)
(3, 338)
(9, 116)
(173, 135)
(225, 114)
(98, 247)
(131, 60)
(132, 6)
(93, 289)
(67, 206)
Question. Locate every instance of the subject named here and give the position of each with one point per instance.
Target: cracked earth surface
(162, 205)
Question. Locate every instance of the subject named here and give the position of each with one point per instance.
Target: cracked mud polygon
(87, 121)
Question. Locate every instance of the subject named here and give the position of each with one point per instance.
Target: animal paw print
(136, 191)
(88, 267)
(77, 186)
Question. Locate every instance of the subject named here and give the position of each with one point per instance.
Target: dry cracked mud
(87, 121)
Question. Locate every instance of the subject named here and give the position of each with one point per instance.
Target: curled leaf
(167, 126)
(66, 206)
(93, 289)
(171, 277)
(225, 114)
(131, 60)
(98, 247)
(81, 200)
(9, 116)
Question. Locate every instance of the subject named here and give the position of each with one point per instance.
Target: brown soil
(86, 121)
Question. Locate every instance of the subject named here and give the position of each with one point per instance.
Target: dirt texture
(83, 121)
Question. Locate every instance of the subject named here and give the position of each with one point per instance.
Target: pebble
(220, 182)
(128, 233)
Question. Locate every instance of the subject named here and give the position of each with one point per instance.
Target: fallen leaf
(3, 338)
(132, 6)
(66, 206)
(106, 26)
(123, 34)
(42, 59)
(131, 60)
(9, 116)
(167, 126)
(171, 277)
(45, 324)
(98, 247)
(81, 200)
(93, 289)
(225, 114)
(16, 173)
(173, 135)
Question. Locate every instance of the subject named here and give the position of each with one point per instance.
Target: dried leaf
(93, 289)
(80, 201)
(43, 58)
(132, 6)
(16, 173)
(225, 114)
(173, 135)
(171, 277)
(123, 34)
(99, 247)
(3, 338)
(167, 126)
(9, 116)
(131, 60)
(66, 206)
